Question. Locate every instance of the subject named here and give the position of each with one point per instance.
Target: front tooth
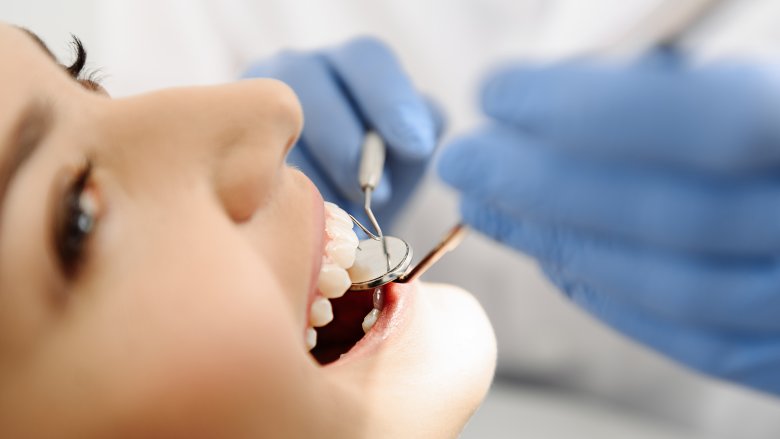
(334, 280)
(342, 253)
(370, 319)
(311, 338)
(340, 232)
(336, 213)
(321, 312)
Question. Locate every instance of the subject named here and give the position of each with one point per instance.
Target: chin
(424, 367)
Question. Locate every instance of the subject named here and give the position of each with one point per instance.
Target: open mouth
(346, 329)
(338, 318)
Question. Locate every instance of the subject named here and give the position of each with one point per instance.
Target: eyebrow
(27, 134)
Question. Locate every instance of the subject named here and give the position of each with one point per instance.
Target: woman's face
(158, 261)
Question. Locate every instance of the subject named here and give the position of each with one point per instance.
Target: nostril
(240, 187)
(239, 200)
(290, 143)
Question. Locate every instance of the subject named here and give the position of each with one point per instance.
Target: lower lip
(398, 302)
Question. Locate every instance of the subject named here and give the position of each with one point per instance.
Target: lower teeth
(370, 319)
(378, 300)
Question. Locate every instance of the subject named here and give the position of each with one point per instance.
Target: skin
(185, 318)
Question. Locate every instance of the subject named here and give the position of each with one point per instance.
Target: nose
(236, 136)
(266, 121)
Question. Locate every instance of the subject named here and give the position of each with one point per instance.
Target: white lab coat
(446, 45)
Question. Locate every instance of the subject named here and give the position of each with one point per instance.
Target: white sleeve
(745, 29)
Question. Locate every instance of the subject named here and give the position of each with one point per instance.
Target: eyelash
(73, 224)
(78, 69)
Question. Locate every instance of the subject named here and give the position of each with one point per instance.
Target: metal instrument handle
(372, 161)
(451, 240)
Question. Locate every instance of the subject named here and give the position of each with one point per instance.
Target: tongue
(345, 330)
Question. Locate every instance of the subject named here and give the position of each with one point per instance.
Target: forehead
(27, 71)
(20, 50)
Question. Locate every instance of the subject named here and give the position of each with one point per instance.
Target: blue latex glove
(343, 91)
(649, 193)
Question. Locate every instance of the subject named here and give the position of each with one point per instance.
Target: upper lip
(318, 245)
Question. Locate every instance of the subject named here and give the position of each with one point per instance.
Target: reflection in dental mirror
(378, 262)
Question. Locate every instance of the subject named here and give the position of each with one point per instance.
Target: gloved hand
(344, 91)
(648, 192)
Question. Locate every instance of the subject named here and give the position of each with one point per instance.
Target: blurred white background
(550, 386)
(53, 21)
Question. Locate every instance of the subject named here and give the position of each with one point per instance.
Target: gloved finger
(401, 177)
(665, 209)
(749, 359)
(381, 90)
(299, 158)
(333, 132)
(741, 294)
(405, 174)
(717, 117)
(402, 174)
(406, 171)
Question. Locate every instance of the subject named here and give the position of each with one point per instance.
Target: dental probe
(380, 259)
(372, 164)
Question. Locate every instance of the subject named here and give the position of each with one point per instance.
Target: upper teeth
(321, 312)
(334, 280)
(339, 255)
(339, 252)
(310, 337)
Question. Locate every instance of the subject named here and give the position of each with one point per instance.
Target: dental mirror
(379, 262)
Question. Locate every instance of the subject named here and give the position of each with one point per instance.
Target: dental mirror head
(379, 262)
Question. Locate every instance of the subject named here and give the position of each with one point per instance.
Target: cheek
(284, 235)
(208, 339)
